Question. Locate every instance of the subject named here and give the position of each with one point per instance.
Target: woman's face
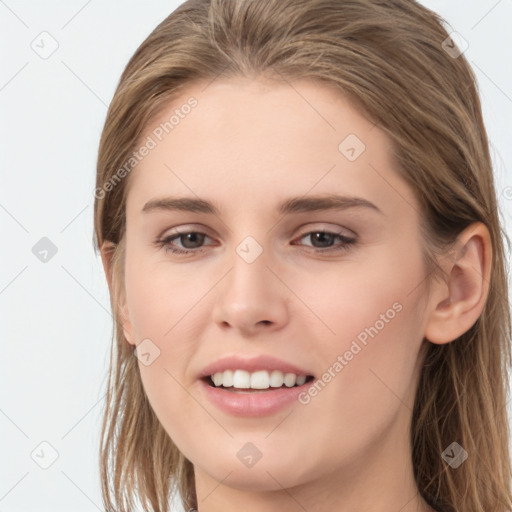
(334, 293)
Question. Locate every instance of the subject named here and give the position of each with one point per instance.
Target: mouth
(261, 381)
(253, 389)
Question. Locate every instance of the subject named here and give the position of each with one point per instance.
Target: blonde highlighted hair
(388, 57)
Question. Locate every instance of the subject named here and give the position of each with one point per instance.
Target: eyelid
(185, 228)
(338, 230)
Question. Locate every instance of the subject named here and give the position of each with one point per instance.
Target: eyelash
(165, 242)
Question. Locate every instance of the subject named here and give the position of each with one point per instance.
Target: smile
(258, 380)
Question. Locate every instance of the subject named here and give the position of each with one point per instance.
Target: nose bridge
(248, 282)
(250, 295)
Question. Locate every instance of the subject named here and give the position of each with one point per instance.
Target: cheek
(162, 304)
(350, 296)
(158, 296)
(370, 316)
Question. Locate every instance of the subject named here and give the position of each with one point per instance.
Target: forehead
(236, 108)
(255, 138)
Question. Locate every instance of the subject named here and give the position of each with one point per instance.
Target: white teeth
(241, 379)
(260, 379)
(217, 379)
(227, 379)
(289, 380)
(300, 380)
(276, 379)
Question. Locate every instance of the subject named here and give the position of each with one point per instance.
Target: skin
(247, 146)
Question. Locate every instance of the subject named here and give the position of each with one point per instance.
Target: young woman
(296, 214)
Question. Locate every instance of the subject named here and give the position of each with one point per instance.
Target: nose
(251, 299)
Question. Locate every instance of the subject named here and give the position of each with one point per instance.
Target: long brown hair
(393, 59)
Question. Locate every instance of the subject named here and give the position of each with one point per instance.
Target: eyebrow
(292, 205)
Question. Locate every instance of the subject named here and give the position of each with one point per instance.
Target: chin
(271, 472)
(264, 479)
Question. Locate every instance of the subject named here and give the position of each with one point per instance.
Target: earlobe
(107, 255)
(456, 303)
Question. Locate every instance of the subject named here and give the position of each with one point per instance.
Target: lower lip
(252, 403)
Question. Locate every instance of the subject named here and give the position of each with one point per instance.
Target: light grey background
(56, 322)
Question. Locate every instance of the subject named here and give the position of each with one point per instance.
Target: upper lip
(252, 364)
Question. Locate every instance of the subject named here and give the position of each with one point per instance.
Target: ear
(455, 304)
(107, 251)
